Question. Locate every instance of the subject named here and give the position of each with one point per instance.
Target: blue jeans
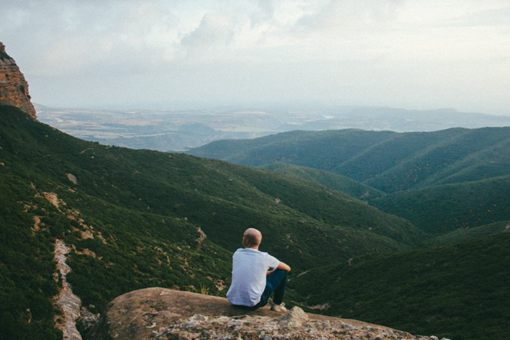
(275, 285)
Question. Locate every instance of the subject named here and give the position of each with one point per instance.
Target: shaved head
(252, 238)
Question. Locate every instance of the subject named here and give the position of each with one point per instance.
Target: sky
(420, 54)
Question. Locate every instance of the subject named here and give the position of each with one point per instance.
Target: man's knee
(278, 274)
(277, 277)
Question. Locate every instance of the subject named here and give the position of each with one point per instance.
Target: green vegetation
(26, 270)
(471, 234)
(322, 149)
(452, 184)
(327, 179)
(444, 208)
(132, 218)
(388, 161)
(457, 291)
(132, 221)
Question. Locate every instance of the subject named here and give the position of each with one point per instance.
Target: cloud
(345, 51)
(486, 17)
(213, 32)
(347, 14)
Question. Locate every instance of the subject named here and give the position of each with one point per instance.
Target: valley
(138, 218)
(365, 146)
(132, 219)
(182, 128)
(451, 184)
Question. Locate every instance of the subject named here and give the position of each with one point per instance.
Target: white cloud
(388, 52)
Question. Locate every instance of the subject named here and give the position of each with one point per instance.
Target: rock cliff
(159, 313)
(13, 86)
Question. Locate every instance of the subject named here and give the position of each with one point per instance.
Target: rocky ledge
(159, 313)
(13, 86)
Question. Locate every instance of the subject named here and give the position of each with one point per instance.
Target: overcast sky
(410, 54)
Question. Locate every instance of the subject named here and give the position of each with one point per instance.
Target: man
(256, 275)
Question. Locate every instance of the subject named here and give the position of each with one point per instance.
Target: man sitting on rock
(256, 275)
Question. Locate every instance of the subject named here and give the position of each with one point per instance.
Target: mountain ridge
(388, 161)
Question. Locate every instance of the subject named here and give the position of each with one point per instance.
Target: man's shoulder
(251, 252)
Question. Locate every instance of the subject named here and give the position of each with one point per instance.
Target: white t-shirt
(249, 269)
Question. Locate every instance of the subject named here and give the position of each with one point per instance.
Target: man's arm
(284, 266)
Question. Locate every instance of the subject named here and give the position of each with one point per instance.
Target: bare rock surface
(159, 313)
(66, 301)
(13, 86)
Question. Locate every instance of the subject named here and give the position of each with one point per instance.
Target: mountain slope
(458, 291)
(388, 161)
(442, 162)
(132, 219)
(316, 149)
(471, 234)
(447, 207)
(327, 179)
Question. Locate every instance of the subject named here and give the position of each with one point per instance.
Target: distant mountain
(179, 130)
(388, 161)
(134, 218)
(171, 130)
(401, 120)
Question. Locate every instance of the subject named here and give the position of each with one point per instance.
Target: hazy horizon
(392, 53)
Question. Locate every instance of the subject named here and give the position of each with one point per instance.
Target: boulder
(160, 313)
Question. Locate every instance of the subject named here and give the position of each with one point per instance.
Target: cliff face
(13, 86)
(159, 313)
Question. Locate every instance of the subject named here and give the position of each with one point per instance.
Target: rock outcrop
(13, 86)
(66, 301)
(159, 313)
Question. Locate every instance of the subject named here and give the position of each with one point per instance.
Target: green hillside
(480, 149)
(471, 234)
(458, 291)
(388, 161)
(452, 183)
(132, 217)
(316, 149)
(447, 207)
(327, 179)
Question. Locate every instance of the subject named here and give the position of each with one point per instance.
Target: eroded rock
(13, 86)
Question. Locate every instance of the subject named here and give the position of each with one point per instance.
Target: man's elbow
(284, 266)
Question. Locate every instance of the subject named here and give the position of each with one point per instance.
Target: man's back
(249, 272)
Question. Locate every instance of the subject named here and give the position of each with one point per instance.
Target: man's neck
(253, 248)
